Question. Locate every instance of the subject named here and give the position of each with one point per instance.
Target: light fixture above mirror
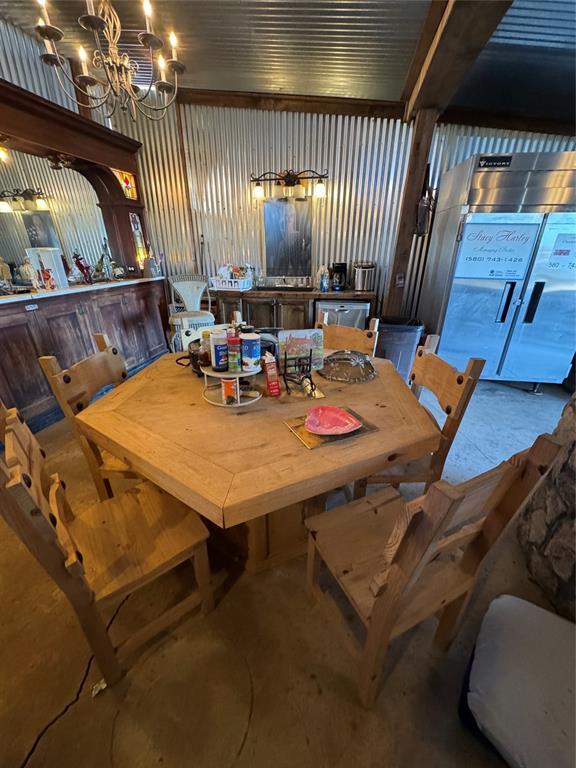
(29, 199)
(288, 184)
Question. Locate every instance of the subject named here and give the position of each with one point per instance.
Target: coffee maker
(338, 275)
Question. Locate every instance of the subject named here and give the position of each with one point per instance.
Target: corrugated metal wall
(452, 144)
(195, 169)
(20, 64)
(71, 200)
(164, 189)
(214, 212)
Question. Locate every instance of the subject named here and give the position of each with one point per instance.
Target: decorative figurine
(28, 273)
(5, 273)
(150, 267)
(46, 277)
(85, 269)
(117, 272)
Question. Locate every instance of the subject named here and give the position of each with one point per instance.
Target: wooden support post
(421, 140)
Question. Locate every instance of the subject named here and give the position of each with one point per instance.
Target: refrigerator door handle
(537, 292)
(505, 301)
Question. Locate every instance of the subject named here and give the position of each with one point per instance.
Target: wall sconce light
(22, 200)
(288, 184)
(319, 189)
(299, 192)
(258, 192)
(4, 155)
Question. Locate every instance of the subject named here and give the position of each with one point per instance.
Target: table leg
(280, 535)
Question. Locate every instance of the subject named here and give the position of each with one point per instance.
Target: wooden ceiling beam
(465, 28)
(283, 102)
(429, 28)
(38, 126)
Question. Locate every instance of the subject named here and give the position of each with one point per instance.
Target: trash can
(398, 339)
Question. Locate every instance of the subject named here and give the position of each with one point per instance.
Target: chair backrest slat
(190, 290)
(3, 417)
(532, 466)
(452, 388)
(35, 506)
(354, 339)
(75, 387)
(484, 506)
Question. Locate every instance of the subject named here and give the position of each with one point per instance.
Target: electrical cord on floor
(76, 698)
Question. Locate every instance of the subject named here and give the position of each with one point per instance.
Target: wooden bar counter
(63, 323)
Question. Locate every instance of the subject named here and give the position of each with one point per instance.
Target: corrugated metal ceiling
(538, 23)
(527, 68)
(348, 48)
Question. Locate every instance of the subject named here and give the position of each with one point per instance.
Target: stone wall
(547, 530)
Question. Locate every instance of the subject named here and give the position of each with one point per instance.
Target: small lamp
(319, 189)
(277, 191)
(41, 204)
(5, 207)
(3, 155)
(258, 191)
(299, 191)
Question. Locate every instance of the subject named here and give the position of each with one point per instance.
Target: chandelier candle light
(114, 71)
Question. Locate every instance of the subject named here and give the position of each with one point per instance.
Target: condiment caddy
(229, 355)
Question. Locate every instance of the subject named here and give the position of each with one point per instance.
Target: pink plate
(330, 420)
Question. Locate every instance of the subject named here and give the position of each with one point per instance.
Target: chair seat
(351, 541)
(131, 539)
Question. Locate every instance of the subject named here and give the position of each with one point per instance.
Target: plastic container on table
(398, 339)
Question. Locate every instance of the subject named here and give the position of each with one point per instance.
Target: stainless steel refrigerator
(500, 280)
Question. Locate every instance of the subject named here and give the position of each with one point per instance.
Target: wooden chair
(105, 552)
(3, 416)
(344, 337)
(453, 390)
(398, 563)
(74, 388)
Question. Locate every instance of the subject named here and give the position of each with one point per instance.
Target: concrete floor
(266, 679)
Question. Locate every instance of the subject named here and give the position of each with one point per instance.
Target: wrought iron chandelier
(114, 71)
(288, 183)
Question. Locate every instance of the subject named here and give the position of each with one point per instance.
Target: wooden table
(244, 466)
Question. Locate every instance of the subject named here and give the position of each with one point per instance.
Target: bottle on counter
(234, 354)
(323, 279)
(250, 347)
(204, 351)
(219, 350)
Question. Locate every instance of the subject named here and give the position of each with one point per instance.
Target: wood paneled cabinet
(133, 316)
(259, 312)
(294, 313)
(269, 311)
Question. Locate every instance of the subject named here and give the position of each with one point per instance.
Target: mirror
(46, 217)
